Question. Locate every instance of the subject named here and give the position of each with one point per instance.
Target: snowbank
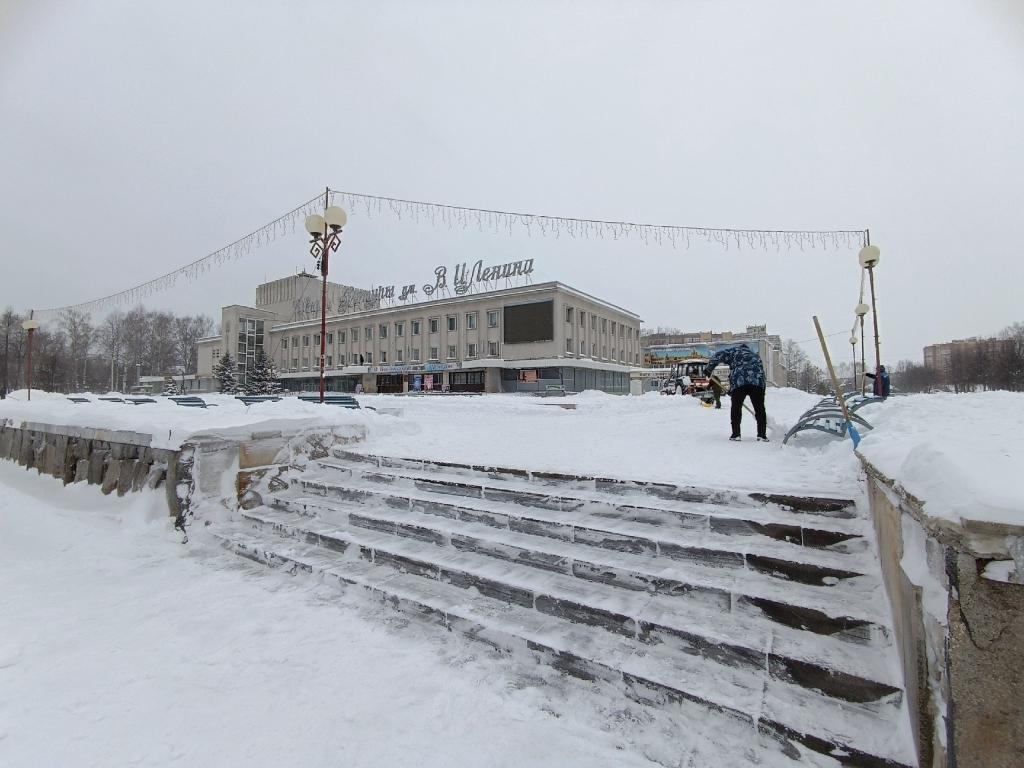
(962, 455)
(170, 424)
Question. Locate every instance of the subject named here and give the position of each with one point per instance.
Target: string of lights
(496, 221)
(284, 224)
(481, 219)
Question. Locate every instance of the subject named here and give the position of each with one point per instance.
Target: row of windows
(472, 350)
(570, 347)
(624, 331)
(434, 324)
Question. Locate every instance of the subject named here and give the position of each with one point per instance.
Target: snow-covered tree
(171, 389)
(262, 379)
(224, 371)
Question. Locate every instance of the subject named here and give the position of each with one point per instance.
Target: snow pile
(171, 424)
(962, 455)
(652, 437)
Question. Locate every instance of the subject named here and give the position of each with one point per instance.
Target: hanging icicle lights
(481, 219)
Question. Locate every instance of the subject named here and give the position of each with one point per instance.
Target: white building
(511, 339)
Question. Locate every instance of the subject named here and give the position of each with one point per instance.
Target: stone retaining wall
(960, 635)
(115, 460)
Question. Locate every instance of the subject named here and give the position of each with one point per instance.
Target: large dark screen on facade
(530, 322)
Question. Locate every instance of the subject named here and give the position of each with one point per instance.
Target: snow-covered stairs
(767, 608)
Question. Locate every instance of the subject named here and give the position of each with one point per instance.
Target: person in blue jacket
(880, 382)
(746, 379)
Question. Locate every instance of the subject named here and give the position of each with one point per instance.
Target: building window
(383, 331)
(369, 357)
(593, 322)
(622, 355)
(414, 355)
(330, 338)
(613, 327)
(330, 361)
(583, 318)
(355, 335)
(305, 341)
(453, 322)
(284, 345)
(341, 337)
(451, 351)
(604, 325)
(593, 350)
(492, 348)
(399, 354)
(295, 362)
(583, 347)
(471, 322)
(471, 350)
(435, 324)
(636, 358)
(622, 331)
(316, 339)
(383, 356)
(568, 314)
(415, 327)
(368, 332)
(604, 352)
(433, 353)
(399, 329)
(341, 360)
(568, 346)
(492, 318)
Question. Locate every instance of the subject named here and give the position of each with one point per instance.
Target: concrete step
(797, 718)
(839, 669)
(608, 528)
(554, 482)
(848, 610)
(714, 511)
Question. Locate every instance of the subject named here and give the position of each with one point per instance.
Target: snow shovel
(851, 430)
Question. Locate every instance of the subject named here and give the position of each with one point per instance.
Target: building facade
(514, 339)
(968, 352)
(661, 349)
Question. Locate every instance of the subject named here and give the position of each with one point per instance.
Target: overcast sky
(136, 137)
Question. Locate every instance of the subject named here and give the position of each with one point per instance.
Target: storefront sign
(426, 367)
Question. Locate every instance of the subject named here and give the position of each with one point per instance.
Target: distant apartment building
(940, 357)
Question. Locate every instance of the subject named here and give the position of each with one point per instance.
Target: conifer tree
(171, 389)
(262, 379)
(224, 371)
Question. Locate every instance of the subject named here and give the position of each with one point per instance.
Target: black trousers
(738, 395)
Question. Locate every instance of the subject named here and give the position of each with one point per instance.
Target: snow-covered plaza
(121, 646)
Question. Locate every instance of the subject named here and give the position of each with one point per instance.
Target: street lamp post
(869, 257)
(853, 349)
(861, 310)
(30, 326)
(325, 237)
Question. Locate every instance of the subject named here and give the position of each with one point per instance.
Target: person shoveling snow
(746, 378)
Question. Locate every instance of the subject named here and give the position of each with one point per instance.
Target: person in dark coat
(746, 379)
(880, 383)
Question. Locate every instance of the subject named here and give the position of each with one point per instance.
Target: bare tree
(10, 323)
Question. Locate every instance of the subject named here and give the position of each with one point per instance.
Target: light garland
(481, 219)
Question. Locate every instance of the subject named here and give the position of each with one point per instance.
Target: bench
(345, 401)
(191, 401)
(251, 399)
(112, 399)
(139, 400)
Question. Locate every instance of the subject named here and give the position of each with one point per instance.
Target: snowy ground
(652, 437)
(121, 647)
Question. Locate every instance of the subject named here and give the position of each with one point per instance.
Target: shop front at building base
(491, 376)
